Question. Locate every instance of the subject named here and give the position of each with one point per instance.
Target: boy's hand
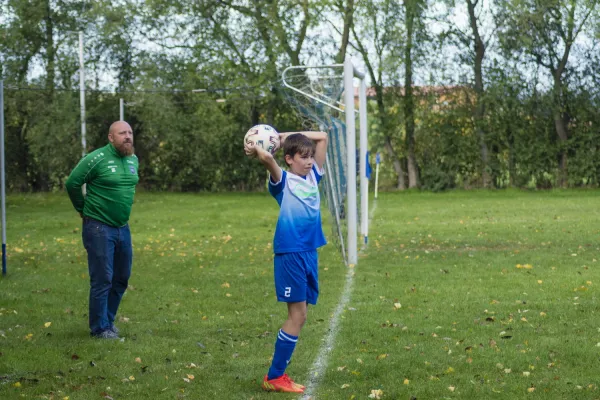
(250, 149)
(253, 150)
(282, 137)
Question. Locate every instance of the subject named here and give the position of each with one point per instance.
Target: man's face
(121, 136)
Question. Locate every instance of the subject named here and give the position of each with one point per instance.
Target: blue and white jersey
(299, 224)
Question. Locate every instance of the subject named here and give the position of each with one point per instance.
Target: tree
(347, 10)
(414, 30)
(378, 39)
(546, 31)
(473, 46)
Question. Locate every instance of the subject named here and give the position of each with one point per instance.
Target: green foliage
(446, 141)
(154, 54)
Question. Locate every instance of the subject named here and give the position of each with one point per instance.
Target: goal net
(324, 97)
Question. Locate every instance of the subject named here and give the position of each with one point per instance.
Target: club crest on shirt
(132, 169)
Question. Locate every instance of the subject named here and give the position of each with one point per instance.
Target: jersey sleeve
(276, 188)
(319, 172)
(81, 174)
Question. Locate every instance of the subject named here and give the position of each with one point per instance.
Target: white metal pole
(121, 110)
(2, 177)
(82, 94)
(364, 181)
(351, 160)
(377, 160)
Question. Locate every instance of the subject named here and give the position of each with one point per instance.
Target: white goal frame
(348, 108)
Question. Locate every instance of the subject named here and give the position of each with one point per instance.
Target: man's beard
(125, 150)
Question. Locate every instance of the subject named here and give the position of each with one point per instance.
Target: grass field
(462, 295)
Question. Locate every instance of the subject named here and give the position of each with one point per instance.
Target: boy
(298, 234)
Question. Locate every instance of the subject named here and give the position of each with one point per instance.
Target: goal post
(316, 93)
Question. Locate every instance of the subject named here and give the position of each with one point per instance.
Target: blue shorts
(297, 277)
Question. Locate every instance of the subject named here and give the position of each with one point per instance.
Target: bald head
(118, 126)
(121, 137)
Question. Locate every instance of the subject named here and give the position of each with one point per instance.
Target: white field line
(318, 368)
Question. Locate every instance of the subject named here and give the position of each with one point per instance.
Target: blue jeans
(110, 256)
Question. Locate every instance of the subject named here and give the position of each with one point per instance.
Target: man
(110, 175)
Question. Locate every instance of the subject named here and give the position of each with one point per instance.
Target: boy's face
(300, 164)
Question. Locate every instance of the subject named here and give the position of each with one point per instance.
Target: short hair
(298, 143)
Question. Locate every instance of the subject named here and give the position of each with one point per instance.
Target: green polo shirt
(110, 185)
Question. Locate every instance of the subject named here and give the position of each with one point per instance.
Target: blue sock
(284, 347)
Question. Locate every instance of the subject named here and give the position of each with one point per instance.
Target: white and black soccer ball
(264, 136)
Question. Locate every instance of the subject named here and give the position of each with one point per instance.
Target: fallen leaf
(397, 306)
(451, 388)
(376, 394)
(47, 324)
(381, 356)
(525, 266)
(138, 360)
(406, 381)
(345, 385)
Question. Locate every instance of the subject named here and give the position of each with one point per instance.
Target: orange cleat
(282, 384)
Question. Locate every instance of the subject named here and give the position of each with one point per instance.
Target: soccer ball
(264, 136)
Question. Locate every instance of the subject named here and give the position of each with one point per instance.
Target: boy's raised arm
(266, 159)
